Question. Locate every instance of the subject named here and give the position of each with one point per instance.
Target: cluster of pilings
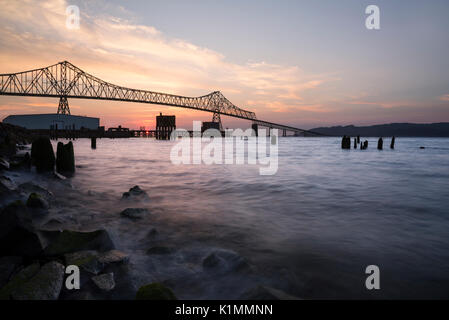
(346, 143)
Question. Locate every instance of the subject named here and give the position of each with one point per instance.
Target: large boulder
(42, 155)
(104, 281)
(17, 234)
(65, 158)
(71, 241)
(155, 291)
(7, 267)
(35, 283)
(35, 201)
(87, 260)
(93, 261)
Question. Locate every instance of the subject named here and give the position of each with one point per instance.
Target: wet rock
(36, 201)
(104, 281)
(52, 225)
(34, 283)
(225, 261)
(21, 161)
(112, 257)
(18, 280)
(71, 241)
(4, 164)
(7, 187)
(17, 235)
(7, 267)
(30, 187)
(86, 260)
(42, 155)
(267, 293)
(65, 158)
(155, 291)
(134, 213)
(59, 176)
(135, 192)
(160, 250)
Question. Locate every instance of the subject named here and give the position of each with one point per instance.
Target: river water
(310, 230)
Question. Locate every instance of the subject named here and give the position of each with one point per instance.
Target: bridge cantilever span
(64, 80)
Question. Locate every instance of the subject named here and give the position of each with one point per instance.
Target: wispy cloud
(33, 34)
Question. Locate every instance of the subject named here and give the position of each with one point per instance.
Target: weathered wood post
(392, 143)
(380, 144)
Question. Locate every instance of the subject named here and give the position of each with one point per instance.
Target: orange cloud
(34, 34)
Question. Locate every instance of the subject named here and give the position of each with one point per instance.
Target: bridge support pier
(255, 128)
(164, 126)
(63, 107)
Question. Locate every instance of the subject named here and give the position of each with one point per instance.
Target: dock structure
(164, 126)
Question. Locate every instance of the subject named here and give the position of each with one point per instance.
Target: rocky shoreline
(34, 259)
(38, 251)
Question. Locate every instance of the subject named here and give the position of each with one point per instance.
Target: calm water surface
(309, 230)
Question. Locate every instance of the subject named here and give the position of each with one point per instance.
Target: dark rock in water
(225, 261)
(155, 291)
(17, 235)
(4, 164)
(6, 186)
(113, 257)
(152, 233)
(86, 260)
(104, 281)
(65, 158)
(267, 293)
(8, 265)
(36, 201)
(422, 147)
(161, 250)
(72, 241)
(21, 161)
(135, 192)
(134, 213)
(29, 187)
(34, 283)
(42, 155)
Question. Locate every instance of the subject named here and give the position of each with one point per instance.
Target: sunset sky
(300, 63)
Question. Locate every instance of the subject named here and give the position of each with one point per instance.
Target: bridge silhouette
(64, 80)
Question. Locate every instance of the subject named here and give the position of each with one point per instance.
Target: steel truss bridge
(64, 80)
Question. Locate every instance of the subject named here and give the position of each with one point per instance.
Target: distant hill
(386, 130)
